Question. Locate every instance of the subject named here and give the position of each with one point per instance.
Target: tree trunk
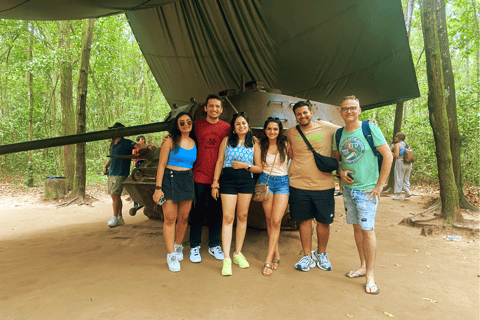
(397, 127)
(438, 113)
(68, 115)
(477, 51)
(81, 173)
(451, 102)
(147, 101)
(31, 102)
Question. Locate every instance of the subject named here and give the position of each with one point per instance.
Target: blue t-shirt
(118, 166)
(357, 156)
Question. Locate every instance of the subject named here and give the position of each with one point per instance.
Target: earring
(234, 132)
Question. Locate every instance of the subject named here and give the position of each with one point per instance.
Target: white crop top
(279, 169)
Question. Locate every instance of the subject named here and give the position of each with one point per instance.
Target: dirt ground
(66, 263)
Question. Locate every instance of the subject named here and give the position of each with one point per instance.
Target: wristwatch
(249, 166)
(158, 187)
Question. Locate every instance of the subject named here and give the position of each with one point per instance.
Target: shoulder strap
(367, 132)
(338, 137)
(271, 170)
(305, 138)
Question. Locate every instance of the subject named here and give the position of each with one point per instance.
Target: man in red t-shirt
(210, 133)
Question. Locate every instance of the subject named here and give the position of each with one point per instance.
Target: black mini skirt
(178, 185)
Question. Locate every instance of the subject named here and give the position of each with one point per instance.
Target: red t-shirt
(209, 137)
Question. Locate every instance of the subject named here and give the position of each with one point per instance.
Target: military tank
(259, 104)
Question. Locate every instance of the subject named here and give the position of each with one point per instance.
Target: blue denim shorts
(276, 184)
(358, 209)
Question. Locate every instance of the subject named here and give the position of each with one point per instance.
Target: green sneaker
(227, 267)
(240, 260)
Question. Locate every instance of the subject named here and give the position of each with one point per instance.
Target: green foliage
(117, 94)
(416, 125)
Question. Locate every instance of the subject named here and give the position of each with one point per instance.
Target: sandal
(275, 261)
(267, 266)
(354, 274)
(371, 287)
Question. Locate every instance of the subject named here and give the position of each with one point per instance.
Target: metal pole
(84, 137)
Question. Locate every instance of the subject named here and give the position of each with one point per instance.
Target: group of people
(213, 162)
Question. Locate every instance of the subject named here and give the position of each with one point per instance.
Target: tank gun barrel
(84, 137)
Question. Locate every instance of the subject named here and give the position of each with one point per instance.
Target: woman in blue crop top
(238, 157)
(175, 184)
(402, 170)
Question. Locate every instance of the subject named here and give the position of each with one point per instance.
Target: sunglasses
(272, 118)
(182, 123)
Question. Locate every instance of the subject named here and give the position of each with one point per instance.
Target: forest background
(39, 70)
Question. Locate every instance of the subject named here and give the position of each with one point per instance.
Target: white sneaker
(178, 250)
(195, 256)
(216, 252)
(172, 262)
(399, 197)
(120, 221)
(112, 222)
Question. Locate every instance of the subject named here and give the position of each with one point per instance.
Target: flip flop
(275, 261)
(370, 287)
(354, 274)
(267, 266)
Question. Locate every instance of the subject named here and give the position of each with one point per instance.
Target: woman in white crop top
(275, 151)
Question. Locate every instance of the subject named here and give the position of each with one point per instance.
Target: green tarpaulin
(317, 50)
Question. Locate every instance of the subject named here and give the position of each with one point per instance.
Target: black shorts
(235, 181)
(308, 204)
(178, 185)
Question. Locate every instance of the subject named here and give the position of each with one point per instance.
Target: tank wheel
(133, 211)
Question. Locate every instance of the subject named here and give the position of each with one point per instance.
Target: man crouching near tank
(362, 184)
(119, 171)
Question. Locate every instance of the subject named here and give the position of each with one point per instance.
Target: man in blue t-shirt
(119, 171)
(361, 190)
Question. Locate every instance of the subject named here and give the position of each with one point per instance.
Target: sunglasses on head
(182, 123)
(272, 118)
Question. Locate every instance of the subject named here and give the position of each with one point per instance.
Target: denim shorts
(276, 184)
(358, 209)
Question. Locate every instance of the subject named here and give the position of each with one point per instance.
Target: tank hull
(258, 105)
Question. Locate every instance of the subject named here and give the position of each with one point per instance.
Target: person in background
(274, 154)
(119, 170)
(174, 183)
(137, 163)
(209, 134)
(361, 190)
(402, 169)
(238, 157)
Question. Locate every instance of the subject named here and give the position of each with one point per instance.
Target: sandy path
(67, 264)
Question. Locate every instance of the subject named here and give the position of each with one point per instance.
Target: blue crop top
(180, 157)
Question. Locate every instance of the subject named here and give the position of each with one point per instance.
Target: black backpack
(368, 135)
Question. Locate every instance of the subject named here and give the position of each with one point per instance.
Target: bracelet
(158, 187)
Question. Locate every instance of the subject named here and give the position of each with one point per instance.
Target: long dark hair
(281, 141)
(175, 132)
(233, 137)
